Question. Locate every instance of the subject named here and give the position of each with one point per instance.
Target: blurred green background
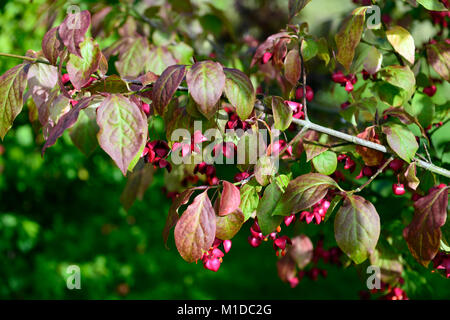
(64, 209)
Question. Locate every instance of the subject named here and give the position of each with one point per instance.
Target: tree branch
(365, 143)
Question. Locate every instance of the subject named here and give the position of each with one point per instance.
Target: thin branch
(380, 170)
(15, 56)
(365, 143)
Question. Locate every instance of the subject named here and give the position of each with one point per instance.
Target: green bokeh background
(64, 209)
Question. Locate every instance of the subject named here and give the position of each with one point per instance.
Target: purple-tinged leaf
(12, 86)
(357, 228)
(42, 79)
(123, 129)
(304, 192)
(301, 250)
(240, 92)
(137, 183)
(65, 122)
(172, 217)
(134, 52)
(206, 81)
(401, 140)
(349, 36)
(438, 56)
(230, 199)
(423, 234)
(160, 58)
(73, 29)
(292, 67)
(166, 86)
(228, 226)
(196, 229)
(84, 133)
(81, 69)
(52, 45)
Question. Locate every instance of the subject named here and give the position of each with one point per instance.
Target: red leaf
(196, 229)
(166, 86)
(230, 200)
(423, 234)
(73, 29)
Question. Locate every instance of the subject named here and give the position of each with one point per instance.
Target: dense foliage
(250, 133)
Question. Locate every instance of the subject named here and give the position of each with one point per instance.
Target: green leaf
(411, 178)
(206, 81)
(349, 36)
(325, 163)
(227, 226)
(166, 86)
(12, 85)
(421, 107)
(322, 50)
(282, 114)
(81, 69)
(401, 77)
(438, 56)
(309, 49)
(402, 42)
(196, 229)
(423, 234)
(123, 128)
(333, 207)
(433, 5)
(249, 198)
(357, 228)
(304, 192)
(267, 222)
(240, 92)
(401, 140)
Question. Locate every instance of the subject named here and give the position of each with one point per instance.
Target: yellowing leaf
(402, 41)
